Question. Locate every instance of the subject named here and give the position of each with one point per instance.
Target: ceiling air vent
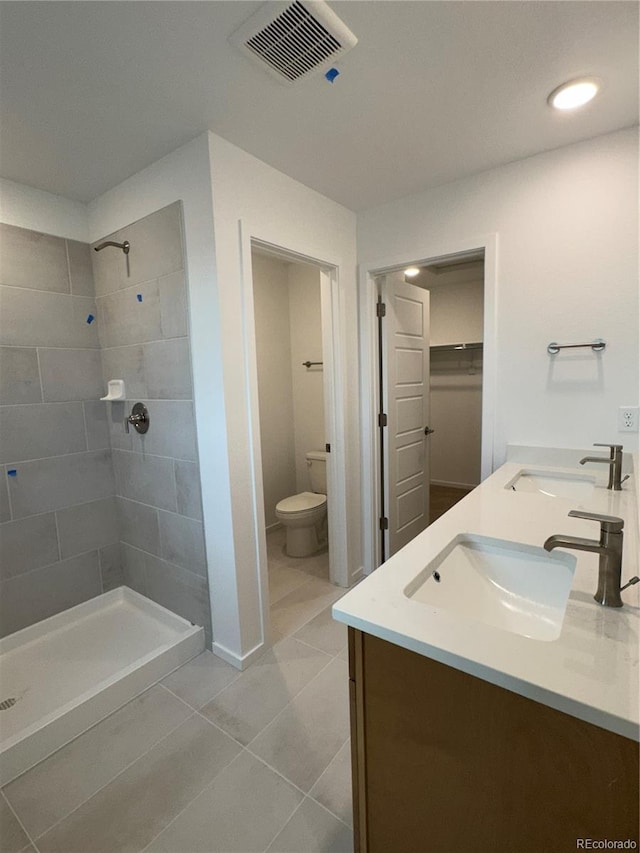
(292, 40)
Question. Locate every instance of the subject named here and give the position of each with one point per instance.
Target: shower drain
(7, 703)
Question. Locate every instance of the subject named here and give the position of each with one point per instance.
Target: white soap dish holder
(115, 390)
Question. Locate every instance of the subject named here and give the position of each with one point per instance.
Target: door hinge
(327, 448)
(384, 523)
(381, 309)
(382, 419)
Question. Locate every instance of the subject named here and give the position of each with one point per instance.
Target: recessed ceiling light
(574, 94)
(411, 271)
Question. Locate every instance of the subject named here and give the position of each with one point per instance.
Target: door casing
(333, 347)
(419, 255)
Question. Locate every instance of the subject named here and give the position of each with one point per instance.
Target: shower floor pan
(64, 674)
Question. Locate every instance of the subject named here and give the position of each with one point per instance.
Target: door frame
(334, 388)
(369, 392)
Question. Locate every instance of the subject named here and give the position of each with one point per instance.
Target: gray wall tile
(35, 595)
(33, 260)
(61, 481)
(125, 320)
(88, 527)
(126, 363)
(97, 424)
(71, 374)
(19, 376)
(179, 590)
(39, 430)
(109, 266)
(119, 437)
(133, 568)
(5, 512)
(168, 369)
(182, 542)
(156, 244)
(146, 479)
(173, 305)
(32, 318)
(139, 525)
(172, 431)
(80, 268)
(27, 544)
(188, 488)
(111, 571)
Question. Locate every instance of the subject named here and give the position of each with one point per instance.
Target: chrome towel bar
(597, 346)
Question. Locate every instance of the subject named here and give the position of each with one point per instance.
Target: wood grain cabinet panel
(448, 763)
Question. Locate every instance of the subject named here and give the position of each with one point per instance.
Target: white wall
(273, 354)
(456, 377)
(253, 200)
(185, 174)
(27, 207)
(456, 305)
(567, 226)
(305, 313)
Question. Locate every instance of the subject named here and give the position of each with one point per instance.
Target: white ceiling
(92, 92)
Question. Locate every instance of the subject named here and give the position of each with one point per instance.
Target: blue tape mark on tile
(331, 74)
(139, 297)
(90, 319)
(12, 472)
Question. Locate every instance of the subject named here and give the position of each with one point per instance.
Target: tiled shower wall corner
(58, 514)
(144, 334)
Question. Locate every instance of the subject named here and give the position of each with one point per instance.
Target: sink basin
(554, 484)
(507, 585)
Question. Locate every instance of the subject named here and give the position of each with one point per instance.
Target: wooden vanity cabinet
(444, 762)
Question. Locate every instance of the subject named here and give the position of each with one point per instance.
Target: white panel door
(406, 392)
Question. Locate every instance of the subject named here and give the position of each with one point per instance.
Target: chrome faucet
(614, 462)
(610, 549)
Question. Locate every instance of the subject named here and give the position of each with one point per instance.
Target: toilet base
(302, 541)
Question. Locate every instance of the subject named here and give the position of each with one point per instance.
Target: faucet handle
(611, 446)
(608, 523)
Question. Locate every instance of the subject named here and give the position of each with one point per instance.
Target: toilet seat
(301, 503)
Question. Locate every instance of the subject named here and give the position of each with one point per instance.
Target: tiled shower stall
(84, 505)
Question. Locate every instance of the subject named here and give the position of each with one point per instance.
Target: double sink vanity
(495, 703)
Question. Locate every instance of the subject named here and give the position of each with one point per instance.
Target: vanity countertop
(591, 671)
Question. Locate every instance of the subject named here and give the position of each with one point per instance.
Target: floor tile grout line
(291, 700)
(188, 704)
(192, 801)
(322, 806)
(310, 619)
(113, 778)
(317, 648)
(288, 592)
(13, 812)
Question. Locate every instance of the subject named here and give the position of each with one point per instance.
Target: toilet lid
(301, 502)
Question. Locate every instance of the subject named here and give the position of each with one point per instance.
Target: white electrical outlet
(628, 419)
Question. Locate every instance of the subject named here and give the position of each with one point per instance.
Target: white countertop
(590, 671)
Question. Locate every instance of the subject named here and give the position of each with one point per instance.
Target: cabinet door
(453, 764)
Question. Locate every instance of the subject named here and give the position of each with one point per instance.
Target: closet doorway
(430, 331)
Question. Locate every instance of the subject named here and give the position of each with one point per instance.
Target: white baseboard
(239, 662)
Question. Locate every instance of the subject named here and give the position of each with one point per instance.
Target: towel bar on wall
(597, 346)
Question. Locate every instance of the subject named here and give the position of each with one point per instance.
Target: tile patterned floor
(211, 759)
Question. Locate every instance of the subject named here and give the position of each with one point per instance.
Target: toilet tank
(317, 464)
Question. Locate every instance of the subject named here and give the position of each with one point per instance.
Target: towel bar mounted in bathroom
(597, 346)
(310, 363)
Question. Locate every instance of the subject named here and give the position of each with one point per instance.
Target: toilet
(303, 515)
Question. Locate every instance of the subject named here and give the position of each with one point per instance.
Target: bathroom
(530, 214)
